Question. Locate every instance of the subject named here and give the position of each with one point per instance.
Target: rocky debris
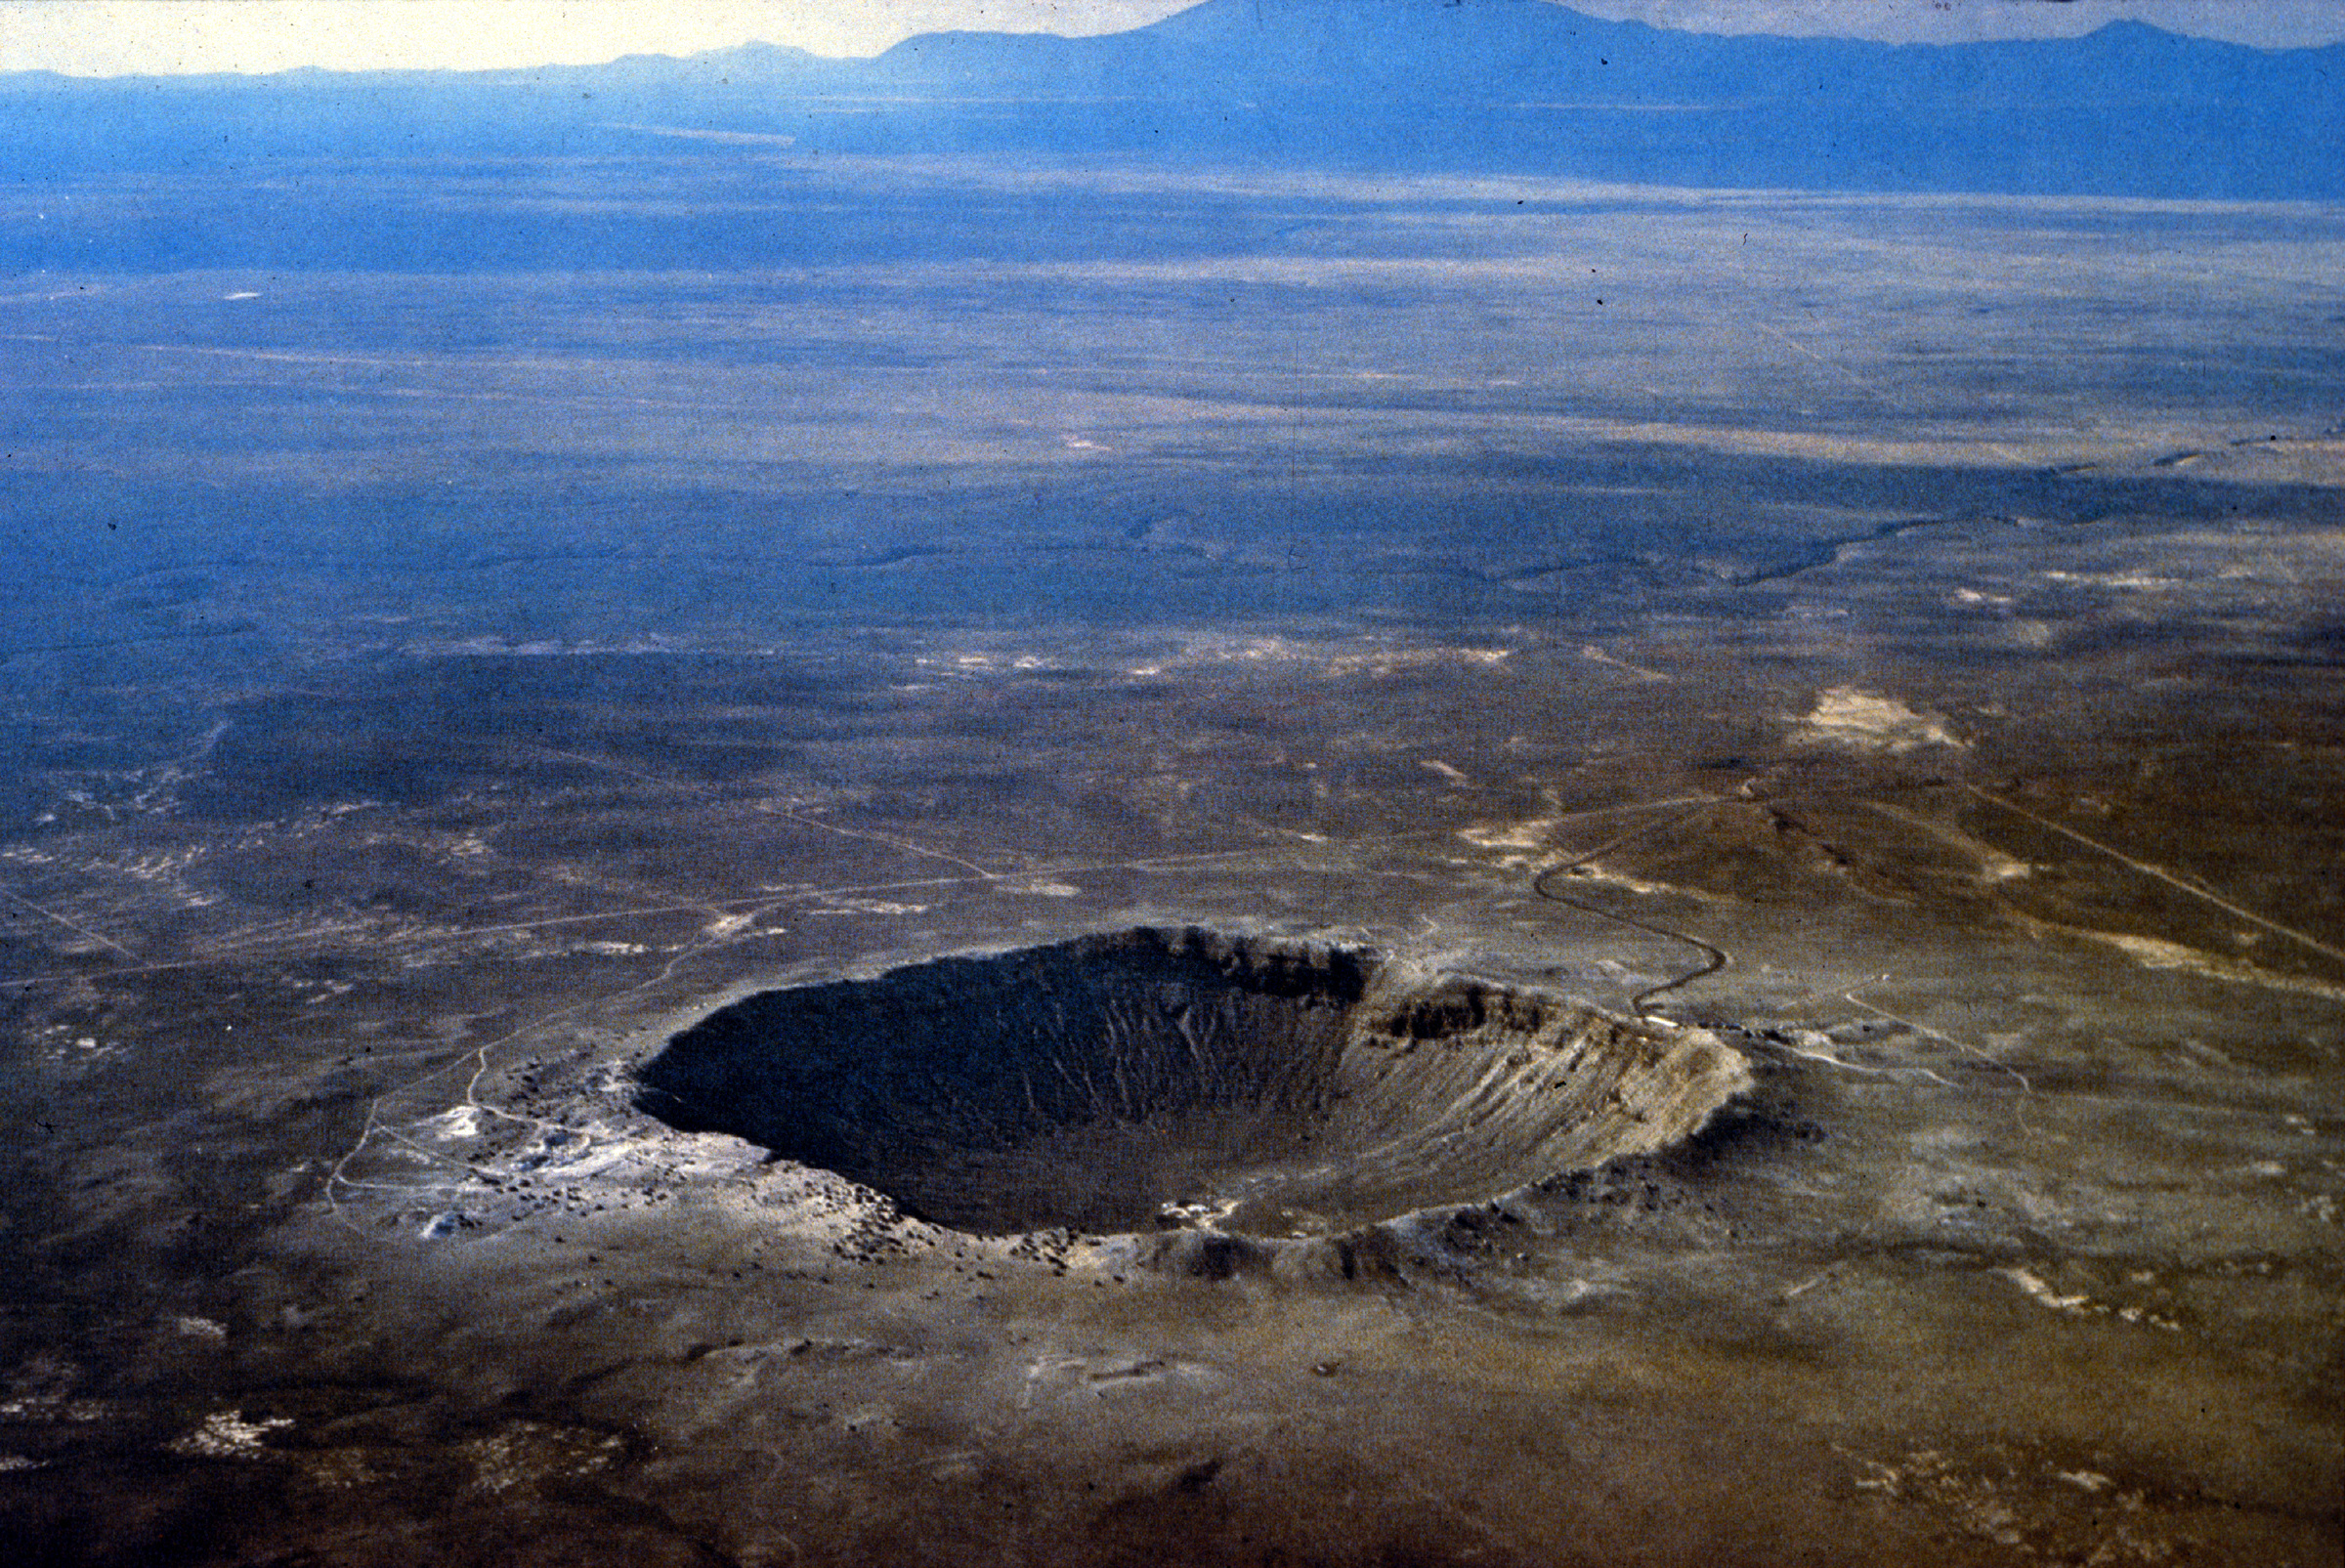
(1176, 1078)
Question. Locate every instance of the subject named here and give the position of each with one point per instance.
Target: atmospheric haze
(1219, 795)
(129, 37)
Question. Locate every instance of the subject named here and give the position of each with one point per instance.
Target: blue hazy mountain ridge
(1423, 85)
(1506, 52)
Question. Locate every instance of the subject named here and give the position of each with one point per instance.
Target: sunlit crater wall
(1159, 1077)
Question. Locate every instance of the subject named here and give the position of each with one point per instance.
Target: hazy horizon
(107, 38)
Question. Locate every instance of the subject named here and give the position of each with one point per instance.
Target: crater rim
(1174, 1077)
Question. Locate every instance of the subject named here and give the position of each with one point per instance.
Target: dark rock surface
(431, 690)
(1155, 1078)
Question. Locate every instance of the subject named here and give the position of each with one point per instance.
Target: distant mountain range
(1415, 85)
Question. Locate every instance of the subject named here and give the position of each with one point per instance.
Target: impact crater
(1168, 1078)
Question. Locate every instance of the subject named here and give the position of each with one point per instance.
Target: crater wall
(1165, 1078)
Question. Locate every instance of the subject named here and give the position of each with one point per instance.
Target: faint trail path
(2163, 876)
(337, 1180)
(297, 947)
(1713, 959)
(71, 925)
(1988, 1057)
(891, 841)
(789, 813)
(1881, 394)
(476, 1062)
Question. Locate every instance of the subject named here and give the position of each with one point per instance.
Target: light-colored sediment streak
(1862, 721)
(1596, 655)
(2163, 876)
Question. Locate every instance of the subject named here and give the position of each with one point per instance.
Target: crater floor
(1159, 1077)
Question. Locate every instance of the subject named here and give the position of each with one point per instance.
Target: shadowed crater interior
(1154, 1078)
